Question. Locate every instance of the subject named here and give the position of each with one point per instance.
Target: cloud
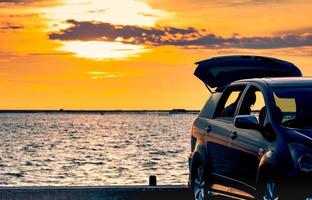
(16, 1)
(29, 2)
(105, 75)
(8, 56)
(266, 42)
(19, 1)
(184, 37)
(131, 34)
(10, 26)
(50, 54)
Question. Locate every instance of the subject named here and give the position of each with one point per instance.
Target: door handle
(208, 129)
(233, 135)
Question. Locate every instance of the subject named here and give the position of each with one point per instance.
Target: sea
(93, 149)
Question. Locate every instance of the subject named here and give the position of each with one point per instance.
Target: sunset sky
(136, 54)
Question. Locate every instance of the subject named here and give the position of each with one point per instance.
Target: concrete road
(98, 193)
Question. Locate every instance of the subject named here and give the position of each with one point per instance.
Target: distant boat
(177, 111)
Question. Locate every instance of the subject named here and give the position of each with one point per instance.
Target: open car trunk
(220, 71)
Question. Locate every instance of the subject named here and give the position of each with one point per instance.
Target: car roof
(283, 82)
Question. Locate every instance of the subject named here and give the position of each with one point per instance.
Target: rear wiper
(207, 86)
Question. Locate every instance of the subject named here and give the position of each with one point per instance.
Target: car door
(246, 146)
(219, 129)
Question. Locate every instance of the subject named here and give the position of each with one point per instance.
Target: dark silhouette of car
(253, 137)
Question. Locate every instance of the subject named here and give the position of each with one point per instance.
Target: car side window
(228, 102)
(253, 103)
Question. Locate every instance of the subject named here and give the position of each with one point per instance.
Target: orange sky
(136, 54)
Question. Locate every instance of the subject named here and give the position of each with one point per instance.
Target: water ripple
(89, 149)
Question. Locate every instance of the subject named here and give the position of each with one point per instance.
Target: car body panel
(220, 71)
(217, 141)
(247, 147)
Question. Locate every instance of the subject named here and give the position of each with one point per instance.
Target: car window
(210, 106)
(234, 96)
(228, 102)
(253, 103)
(259, 103)
(286, 108)
(287, 104)
(293, 108)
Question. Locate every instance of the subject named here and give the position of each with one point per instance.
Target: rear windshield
(293, 107)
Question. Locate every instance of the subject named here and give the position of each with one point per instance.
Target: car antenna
(209, 88)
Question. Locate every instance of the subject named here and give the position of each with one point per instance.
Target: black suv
(253, 138)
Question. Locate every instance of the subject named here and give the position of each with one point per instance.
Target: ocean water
(93, 149)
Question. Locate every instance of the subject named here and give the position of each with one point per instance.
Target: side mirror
(246, 122)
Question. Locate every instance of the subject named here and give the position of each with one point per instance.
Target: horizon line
(95, 111)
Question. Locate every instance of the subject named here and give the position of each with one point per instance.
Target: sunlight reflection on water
(90, 149)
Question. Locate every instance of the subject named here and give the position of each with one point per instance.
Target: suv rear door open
(218, 72)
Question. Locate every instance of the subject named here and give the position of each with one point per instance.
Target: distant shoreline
(173, 111)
